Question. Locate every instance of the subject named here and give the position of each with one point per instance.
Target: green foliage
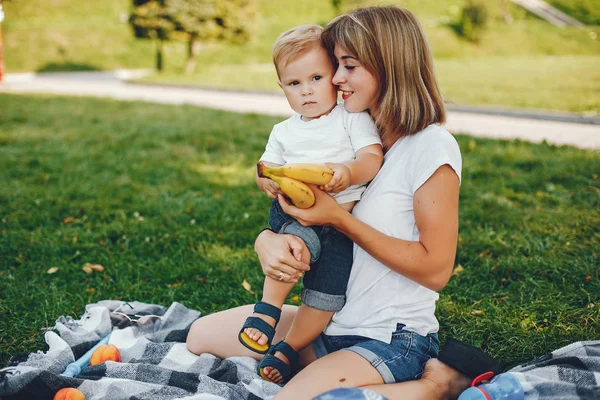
(231, 20)
(151, 20)
(586, 11)
(193, 20)
(164, 198)
(473, 20)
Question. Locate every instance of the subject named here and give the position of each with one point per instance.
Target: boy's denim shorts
(331, 260)
(401, 360)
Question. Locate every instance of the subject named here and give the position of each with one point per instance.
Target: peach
(106, 352)
(69, 394)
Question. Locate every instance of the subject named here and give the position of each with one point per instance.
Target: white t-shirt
(334, 138)
(377, 297)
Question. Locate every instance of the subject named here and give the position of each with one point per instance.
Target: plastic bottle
(502, 387)
(77, 366)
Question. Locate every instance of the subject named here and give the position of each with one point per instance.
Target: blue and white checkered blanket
(155, 362)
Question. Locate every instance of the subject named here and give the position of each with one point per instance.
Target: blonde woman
(405, 227)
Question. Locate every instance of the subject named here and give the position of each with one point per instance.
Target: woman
(405, 228)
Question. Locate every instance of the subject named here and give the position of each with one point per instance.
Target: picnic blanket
(569, 373)
(155, 362)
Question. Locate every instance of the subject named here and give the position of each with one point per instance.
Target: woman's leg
(439, 382)
(217, 333)
(348, 369)
(338, 369)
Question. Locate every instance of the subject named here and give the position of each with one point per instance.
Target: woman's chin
(353, 108)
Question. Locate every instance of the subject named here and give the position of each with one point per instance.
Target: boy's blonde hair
(390, 43)
(294, 43)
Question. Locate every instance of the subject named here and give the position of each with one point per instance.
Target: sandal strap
(269, 310)
(261, 325)
(284, 370)
(287, 351)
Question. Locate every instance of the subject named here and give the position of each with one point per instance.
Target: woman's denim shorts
(401, 360)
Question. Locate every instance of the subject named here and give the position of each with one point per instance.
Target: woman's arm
(429, 261)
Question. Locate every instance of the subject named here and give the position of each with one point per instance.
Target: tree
(195, 21)
(206, 20)
(149, 20)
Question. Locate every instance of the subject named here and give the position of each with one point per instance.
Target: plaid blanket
(569, 373)
(155, 362)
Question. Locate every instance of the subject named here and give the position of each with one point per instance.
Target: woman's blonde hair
(295, 43)
(391, 44)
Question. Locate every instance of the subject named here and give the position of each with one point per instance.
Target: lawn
(163, 197)
(527, 63)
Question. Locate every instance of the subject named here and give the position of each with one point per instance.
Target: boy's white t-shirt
(377, 297)
(334, 138)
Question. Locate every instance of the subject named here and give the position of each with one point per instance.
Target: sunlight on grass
(228, 175)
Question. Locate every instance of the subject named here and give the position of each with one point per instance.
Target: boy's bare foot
(447, 381)
(256, 334)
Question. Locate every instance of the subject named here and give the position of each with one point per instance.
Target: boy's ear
(280, 85)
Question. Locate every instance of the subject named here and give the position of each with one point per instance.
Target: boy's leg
(306, 327)
(217, 333)
(324, 293)
(274, 293)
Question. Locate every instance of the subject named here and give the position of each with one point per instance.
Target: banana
(309, 173)
(300, 194)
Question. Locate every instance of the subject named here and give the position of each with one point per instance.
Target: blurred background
(512, 54)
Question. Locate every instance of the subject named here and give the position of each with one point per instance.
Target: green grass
(54, 35)
(586, 11)
(163, 197)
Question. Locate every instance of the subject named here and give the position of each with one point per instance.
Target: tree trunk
(192, 53)
(159, 55)
(1, 56)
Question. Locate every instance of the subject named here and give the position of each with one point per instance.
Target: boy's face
(306, 82)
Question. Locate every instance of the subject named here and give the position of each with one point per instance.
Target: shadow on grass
(67, 66)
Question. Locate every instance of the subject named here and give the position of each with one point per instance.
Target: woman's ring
(280, 275)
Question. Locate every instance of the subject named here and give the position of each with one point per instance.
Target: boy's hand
(340, 180)
(271, 188)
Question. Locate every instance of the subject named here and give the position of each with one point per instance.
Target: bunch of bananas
(291, 178)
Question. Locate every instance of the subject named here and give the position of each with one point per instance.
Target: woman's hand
(325, 211)
(282, 257)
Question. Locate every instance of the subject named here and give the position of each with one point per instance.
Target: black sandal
(258, 323)
(468, 360)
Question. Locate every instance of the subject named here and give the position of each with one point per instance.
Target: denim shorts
(401, 360)
(331, 260)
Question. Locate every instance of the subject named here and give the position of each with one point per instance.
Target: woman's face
(359, 87)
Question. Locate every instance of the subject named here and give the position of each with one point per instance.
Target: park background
(163, 198)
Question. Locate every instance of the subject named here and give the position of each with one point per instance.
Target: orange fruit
(69, 394)
(106, 352)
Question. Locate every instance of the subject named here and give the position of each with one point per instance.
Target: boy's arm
(361, 170)
(365, 166)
